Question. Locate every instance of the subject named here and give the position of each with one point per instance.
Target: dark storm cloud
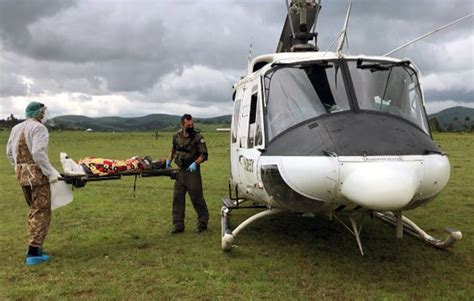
(11, 85)
(99, 32)
(17, 15)
(131, 48)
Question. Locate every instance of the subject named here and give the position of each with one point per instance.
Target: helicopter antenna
(343, 34)
(250, 51)
(428, 34)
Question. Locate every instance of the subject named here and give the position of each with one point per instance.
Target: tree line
(10, 121)
(455, 125)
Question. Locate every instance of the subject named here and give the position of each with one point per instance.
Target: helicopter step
(228, 203)
(232, 203)
(405, 224)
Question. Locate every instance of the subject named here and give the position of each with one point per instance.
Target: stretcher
(92, 169)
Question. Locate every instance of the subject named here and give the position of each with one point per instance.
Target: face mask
(46, 120)
(190, 131)
(45, 117)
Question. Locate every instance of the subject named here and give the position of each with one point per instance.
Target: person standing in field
(189, 152)
(27, 150)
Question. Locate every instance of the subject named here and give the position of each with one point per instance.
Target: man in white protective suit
(27, 150)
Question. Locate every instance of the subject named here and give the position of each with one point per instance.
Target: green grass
(110, 244)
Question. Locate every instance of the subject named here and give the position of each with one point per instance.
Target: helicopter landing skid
(229, 235)
(413, 229)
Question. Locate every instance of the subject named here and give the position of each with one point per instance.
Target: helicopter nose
(380, 188)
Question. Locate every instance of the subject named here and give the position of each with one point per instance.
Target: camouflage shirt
(188, 149)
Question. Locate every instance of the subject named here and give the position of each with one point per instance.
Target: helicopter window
(298, 93)
(253, 109)
(235, 120)
(252, 119)
(389, 88)
(259, 66)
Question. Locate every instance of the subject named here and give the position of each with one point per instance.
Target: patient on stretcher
(91, 166)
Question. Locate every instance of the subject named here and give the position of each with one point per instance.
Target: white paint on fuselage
(371, 182)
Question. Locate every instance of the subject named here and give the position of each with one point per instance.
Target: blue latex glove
(168, 164)
(192, 167)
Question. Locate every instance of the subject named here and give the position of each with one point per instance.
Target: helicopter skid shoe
(228, 236)
(414, 230)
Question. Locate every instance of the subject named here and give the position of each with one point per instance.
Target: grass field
(112, 244)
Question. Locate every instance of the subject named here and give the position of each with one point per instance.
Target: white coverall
(37, 137)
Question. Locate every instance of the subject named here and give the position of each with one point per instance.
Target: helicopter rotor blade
(428, 34)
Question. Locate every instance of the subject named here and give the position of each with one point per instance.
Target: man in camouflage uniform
(27, 150)
(189, 151)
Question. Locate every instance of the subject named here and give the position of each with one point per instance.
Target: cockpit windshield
(296, 93)
(299, 92)
(388, 87)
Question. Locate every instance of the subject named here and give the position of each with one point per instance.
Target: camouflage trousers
(189, 182)
(39, 200)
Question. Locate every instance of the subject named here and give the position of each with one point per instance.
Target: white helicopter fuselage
(315, 132)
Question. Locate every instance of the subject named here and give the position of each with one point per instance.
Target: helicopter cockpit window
(388, 87)
(297, 93)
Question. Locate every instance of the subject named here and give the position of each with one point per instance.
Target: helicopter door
(252, 138)
(235, 138)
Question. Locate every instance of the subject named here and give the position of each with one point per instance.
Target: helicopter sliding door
(250, 138)
(235, 137)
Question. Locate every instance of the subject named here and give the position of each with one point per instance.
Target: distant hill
(454, 119)
(160, 122)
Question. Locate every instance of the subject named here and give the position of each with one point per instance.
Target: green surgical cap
(33, 109)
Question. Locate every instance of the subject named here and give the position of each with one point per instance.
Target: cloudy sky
(132, 58)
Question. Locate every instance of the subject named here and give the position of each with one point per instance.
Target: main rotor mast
(299, 26)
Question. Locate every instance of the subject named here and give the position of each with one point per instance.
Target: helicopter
(322, 133)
